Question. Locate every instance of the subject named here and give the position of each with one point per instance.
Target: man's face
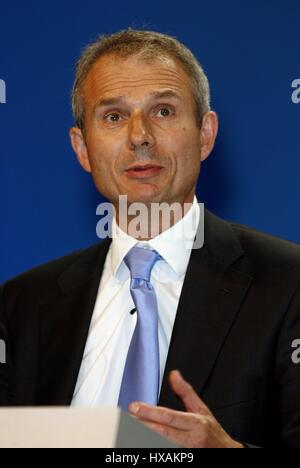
(141, 135)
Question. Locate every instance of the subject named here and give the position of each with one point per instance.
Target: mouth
(143, 171)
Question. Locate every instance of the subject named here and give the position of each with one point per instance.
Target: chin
(145, 195)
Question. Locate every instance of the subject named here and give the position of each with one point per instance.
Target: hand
(196, 428)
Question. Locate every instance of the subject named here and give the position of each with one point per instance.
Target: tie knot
(140, 262)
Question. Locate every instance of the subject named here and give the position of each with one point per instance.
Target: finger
(176, 436)
(173, 435)
(187, 394)
(167, 417)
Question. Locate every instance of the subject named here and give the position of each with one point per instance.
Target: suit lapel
(210, 301)
(64, 324)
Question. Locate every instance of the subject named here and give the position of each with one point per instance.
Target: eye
(115, 116)
(166, 111)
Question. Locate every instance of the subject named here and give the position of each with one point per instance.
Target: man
(225, 315)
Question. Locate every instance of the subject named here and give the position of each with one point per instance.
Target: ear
(79, 146)
(209, 131)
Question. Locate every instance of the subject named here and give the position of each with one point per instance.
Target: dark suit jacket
(238, 315)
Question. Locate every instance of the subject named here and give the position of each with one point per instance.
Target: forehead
(133, 76)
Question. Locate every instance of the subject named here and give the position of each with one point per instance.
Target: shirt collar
(174, 244)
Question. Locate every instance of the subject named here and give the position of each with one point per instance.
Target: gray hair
(148, 45)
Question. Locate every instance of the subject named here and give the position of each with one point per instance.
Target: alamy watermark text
(146, 221)
(2, 352)
(296, 92)
(2, 92)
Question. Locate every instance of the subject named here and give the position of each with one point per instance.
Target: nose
(139, 133)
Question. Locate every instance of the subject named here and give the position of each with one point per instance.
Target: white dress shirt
(112, 325)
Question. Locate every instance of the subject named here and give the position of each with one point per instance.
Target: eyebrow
(121, 99)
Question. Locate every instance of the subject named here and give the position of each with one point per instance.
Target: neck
(146, 221)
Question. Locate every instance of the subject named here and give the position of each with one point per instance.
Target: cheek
(101, 155)
(187, 149)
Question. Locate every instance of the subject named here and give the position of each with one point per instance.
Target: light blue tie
(141, 374)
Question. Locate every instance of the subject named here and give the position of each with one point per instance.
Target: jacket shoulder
(43, 279)
(267, 251)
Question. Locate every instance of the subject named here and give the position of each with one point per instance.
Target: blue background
(250, 51)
